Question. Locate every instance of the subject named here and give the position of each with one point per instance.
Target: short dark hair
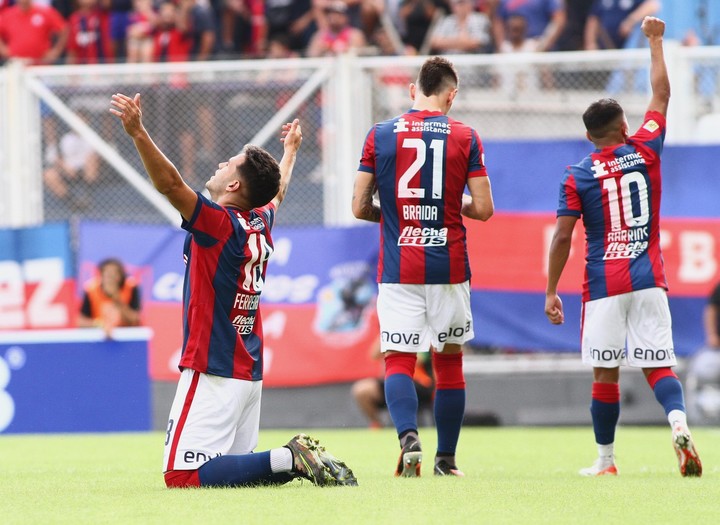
(436, 75)
(262, 174)
(600, 117)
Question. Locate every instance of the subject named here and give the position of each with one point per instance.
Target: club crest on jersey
(401, 126)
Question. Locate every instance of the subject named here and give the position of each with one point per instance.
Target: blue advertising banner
(531, 182)
(317, 303)
(74, 381)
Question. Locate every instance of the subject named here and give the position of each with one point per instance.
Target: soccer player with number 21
(420, 162)
(214, 420)
(625, 314)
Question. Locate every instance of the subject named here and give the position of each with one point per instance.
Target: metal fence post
(21, 177)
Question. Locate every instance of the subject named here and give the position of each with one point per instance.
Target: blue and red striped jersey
(226, 253)
(421, 161)
(616, 191)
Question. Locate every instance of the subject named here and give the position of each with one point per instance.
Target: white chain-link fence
(62, 155)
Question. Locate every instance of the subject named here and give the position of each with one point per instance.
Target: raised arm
(163, 174)
(291, 139)
(654, 28)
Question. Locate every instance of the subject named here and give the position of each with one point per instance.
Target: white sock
(606, 453)
(281, 460)
(677, 418)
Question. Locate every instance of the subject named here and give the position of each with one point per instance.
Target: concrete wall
(528, 391)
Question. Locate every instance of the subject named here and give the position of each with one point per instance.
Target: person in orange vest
(111, 299)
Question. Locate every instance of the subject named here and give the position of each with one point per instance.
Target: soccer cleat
(443, 468)
(338, 469)
(600, 468)
(307, 463)
(688, 459)
(410, 460)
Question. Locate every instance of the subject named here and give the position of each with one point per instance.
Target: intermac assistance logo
(601, 169)
(401, 126)
(14, 359)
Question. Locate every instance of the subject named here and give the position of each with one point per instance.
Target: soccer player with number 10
(215, 417)
(625, 315)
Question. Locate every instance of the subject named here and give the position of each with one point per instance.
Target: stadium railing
(202, 113)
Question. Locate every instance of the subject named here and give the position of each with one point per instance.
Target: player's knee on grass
(179, 479)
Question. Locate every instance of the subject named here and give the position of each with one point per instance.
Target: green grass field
(513, 475)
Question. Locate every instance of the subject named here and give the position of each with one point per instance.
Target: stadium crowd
(102, 31)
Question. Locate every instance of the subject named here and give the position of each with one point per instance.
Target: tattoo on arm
(369, 211)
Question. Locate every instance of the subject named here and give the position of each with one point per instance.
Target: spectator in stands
(201, 27)
(141, 24)
(242, 27)
(119, 11)
(371, 14)
(111, 300)
(545, 19)
(73, 169)
(573, 35)
(279, 47)
(611, 22)
(352, 9)
(514, 79)
(291, 22)
(90, 40)
(33, 32)
(516, 39)
(384, 44)
(462, 31)
(64, 7)
(339, 36)
(172, 42)
(416, 17)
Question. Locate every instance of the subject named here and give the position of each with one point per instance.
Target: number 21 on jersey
(408, 187)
